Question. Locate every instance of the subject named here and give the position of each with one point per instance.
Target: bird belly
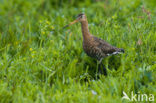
(92, 52)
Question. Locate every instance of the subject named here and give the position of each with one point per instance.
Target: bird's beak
(75, 21)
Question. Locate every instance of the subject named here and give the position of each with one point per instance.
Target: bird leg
(100, 61)
(99, 68)
(103, 70)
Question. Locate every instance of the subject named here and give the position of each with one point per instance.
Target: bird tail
(121, 50)
(118, 51)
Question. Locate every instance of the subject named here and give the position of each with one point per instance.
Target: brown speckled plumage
(96, 47)
(93, 46)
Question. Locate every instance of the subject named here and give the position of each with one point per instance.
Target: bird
(94, 46)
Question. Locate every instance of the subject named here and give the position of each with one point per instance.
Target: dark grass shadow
(113, 62)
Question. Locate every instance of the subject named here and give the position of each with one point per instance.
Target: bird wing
(105, 47)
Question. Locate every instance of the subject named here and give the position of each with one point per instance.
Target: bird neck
(85, 29)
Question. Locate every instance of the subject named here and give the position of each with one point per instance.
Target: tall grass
(41, 62)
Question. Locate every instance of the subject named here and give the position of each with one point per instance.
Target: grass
(41, 62)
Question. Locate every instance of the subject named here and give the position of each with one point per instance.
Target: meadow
(43, 63)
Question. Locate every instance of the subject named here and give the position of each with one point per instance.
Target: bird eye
(80, 16)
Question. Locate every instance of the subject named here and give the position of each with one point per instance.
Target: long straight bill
(75, 21)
